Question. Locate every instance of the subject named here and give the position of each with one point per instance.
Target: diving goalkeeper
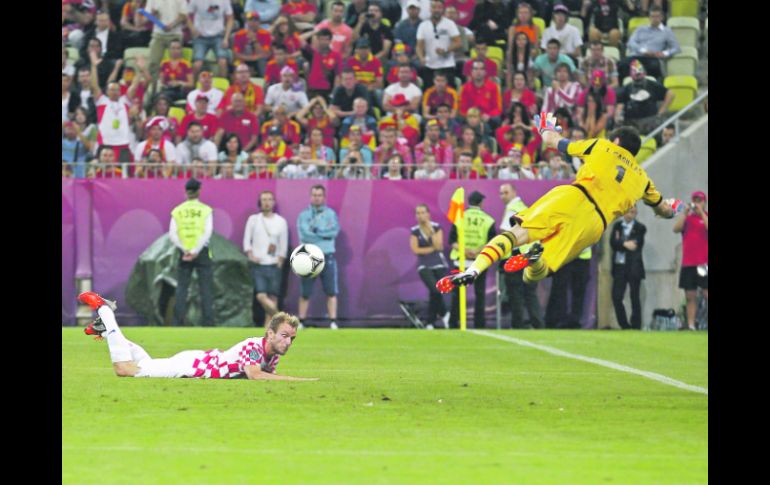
(570, 218)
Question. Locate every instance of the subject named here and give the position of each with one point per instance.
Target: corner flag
(456, 216)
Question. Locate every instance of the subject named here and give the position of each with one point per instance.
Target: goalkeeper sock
(494, 250)
(536, 271)
(120, 351)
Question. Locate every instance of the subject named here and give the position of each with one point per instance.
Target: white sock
(120, 350)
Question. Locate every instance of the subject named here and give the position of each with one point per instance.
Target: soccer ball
(307, 260)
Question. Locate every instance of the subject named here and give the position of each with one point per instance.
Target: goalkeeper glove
(677, 206)
(455, 279)
(546, 122)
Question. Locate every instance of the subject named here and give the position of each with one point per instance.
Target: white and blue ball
(307, 260)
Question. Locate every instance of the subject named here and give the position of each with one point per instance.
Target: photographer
(353, 166)
(693, 223)
(509, 167)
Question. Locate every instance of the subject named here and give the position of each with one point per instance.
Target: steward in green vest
(479, 228)
(192, 224)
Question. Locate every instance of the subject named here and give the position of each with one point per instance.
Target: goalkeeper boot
(455, 279)
(95, 328)
(521, 261)
(95, 301)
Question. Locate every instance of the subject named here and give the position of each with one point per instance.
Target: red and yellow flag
(457, 206)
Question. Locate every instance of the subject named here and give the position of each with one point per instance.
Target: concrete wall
(677, 170)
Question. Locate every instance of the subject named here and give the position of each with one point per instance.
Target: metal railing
(292, 171)
(675, 119)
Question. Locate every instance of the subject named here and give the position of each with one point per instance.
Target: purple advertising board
(376, 266)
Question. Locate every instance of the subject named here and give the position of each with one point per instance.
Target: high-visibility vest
(190, 218)
(585, 254)
(477, 224)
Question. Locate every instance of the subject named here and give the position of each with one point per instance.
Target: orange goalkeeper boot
(521, 261)
(95, 301)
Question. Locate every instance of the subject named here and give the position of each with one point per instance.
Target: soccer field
(393, 406)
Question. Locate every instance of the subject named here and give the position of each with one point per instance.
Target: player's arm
(254, 373)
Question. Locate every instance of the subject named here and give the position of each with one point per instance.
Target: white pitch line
(592, 360)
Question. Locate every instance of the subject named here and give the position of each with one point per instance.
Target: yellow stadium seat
(612, 52)
(540, 23)
(577, 22)
(636, 22)
(259, 81)
(177, 113)
(686, 30)
(134, 52)
(685, 89)
(187, 54)
(683, 64)
(220, 83)
(646, 150)
(495, 53)
(683, 8)
(73, 54)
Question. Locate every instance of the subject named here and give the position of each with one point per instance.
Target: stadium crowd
(360, 89)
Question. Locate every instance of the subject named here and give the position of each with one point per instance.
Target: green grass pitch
(393, 406)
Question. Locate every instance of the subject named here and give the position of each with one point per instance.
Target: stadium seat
(636, 22)
(684, 87)
(259, 81)
(187, 54)
(686, 30)
(627, 79)
(130, 55)
(683, 8)
(498, 55)
(577, 22)
(683, 64)
(73, 54)
(647, 149)
(177, 113)
(612, 52)
(540, 23)
(220, 83)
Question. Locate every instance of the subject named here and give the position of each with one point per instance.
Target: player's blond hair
(282, 317)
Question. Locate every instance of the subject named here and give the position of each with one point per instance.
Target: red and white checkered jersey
(230, 364)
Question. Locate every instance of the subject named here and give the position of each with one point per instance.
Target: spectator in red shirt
(599, 87)
(520, 93)
(434, 145)
(176, 74)
(252, 93)
(288, 128)
(406, 123)
(239, 121)
(401, 57)
(251, 44)
(208, 121)
(325, 65)
(368, 68)
(438, 94)
(285, 33)
(693, 223)
(277, 151)
(483, 93)
(321, 117)
(302, 12)
(279, 60)
(481, 55)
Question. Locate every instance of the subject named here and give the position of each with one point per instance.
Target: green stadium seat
(73, 54)
(130, 55)
(540, 23)
(684, 87)
(686, 30)
(683, 64)
(496, 54)
(259, 81)
(646, 150)
(577, 22)
(220, 83)
(187, 54)
(683, 8)
(176, 112)
(636, 22)
(612, 52)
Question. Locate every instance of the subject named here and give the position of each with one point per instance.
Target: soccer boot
(95, 328)
(95, 301)
(521, 261)
(455, 279)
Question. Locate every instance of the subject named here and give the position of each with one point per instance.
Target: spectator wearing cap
(277, 151)
(569, 37)
(693, 224)
(268, 10)
(346, 93)
(207, 89)
(371, 27)
(368, 68)
(210, 23)
(563, 91)
(286, 94)
(208, 121)
(155, 141)
(342, 34)
(192, 223)
(251, 44)
(302, 12)
(325, 64)
(650, 44)
(176, 73)
(437, 40)
(406, 29)
(479, 228)
(441, 150)
(403, 120)
(482, 93)
(290, 129)
(546, 62)
(400, 58)
(194, 146)
(252, 93)
(481, 54)
(437, 95)
(596, 60)
(241, 122)
(405, 87)
(277, 62)
(637, 102)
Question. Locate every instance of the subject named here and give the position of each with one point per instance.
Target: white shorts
(179, 365)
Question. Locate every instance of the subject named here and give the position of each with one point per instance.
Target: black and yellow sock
(495, 249)
(536, 271)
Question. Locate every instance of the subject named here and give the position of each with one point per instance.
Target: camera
(692, 206)
(369, 15)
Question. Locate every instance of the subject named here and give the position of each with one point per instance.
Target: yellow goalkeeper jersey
(612, 177)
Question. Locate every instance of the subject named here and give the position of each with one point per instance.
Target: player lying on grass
(569, 218)
(253, 358)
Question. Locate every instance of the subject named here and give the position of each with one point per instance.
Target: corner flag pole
(456, 215)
